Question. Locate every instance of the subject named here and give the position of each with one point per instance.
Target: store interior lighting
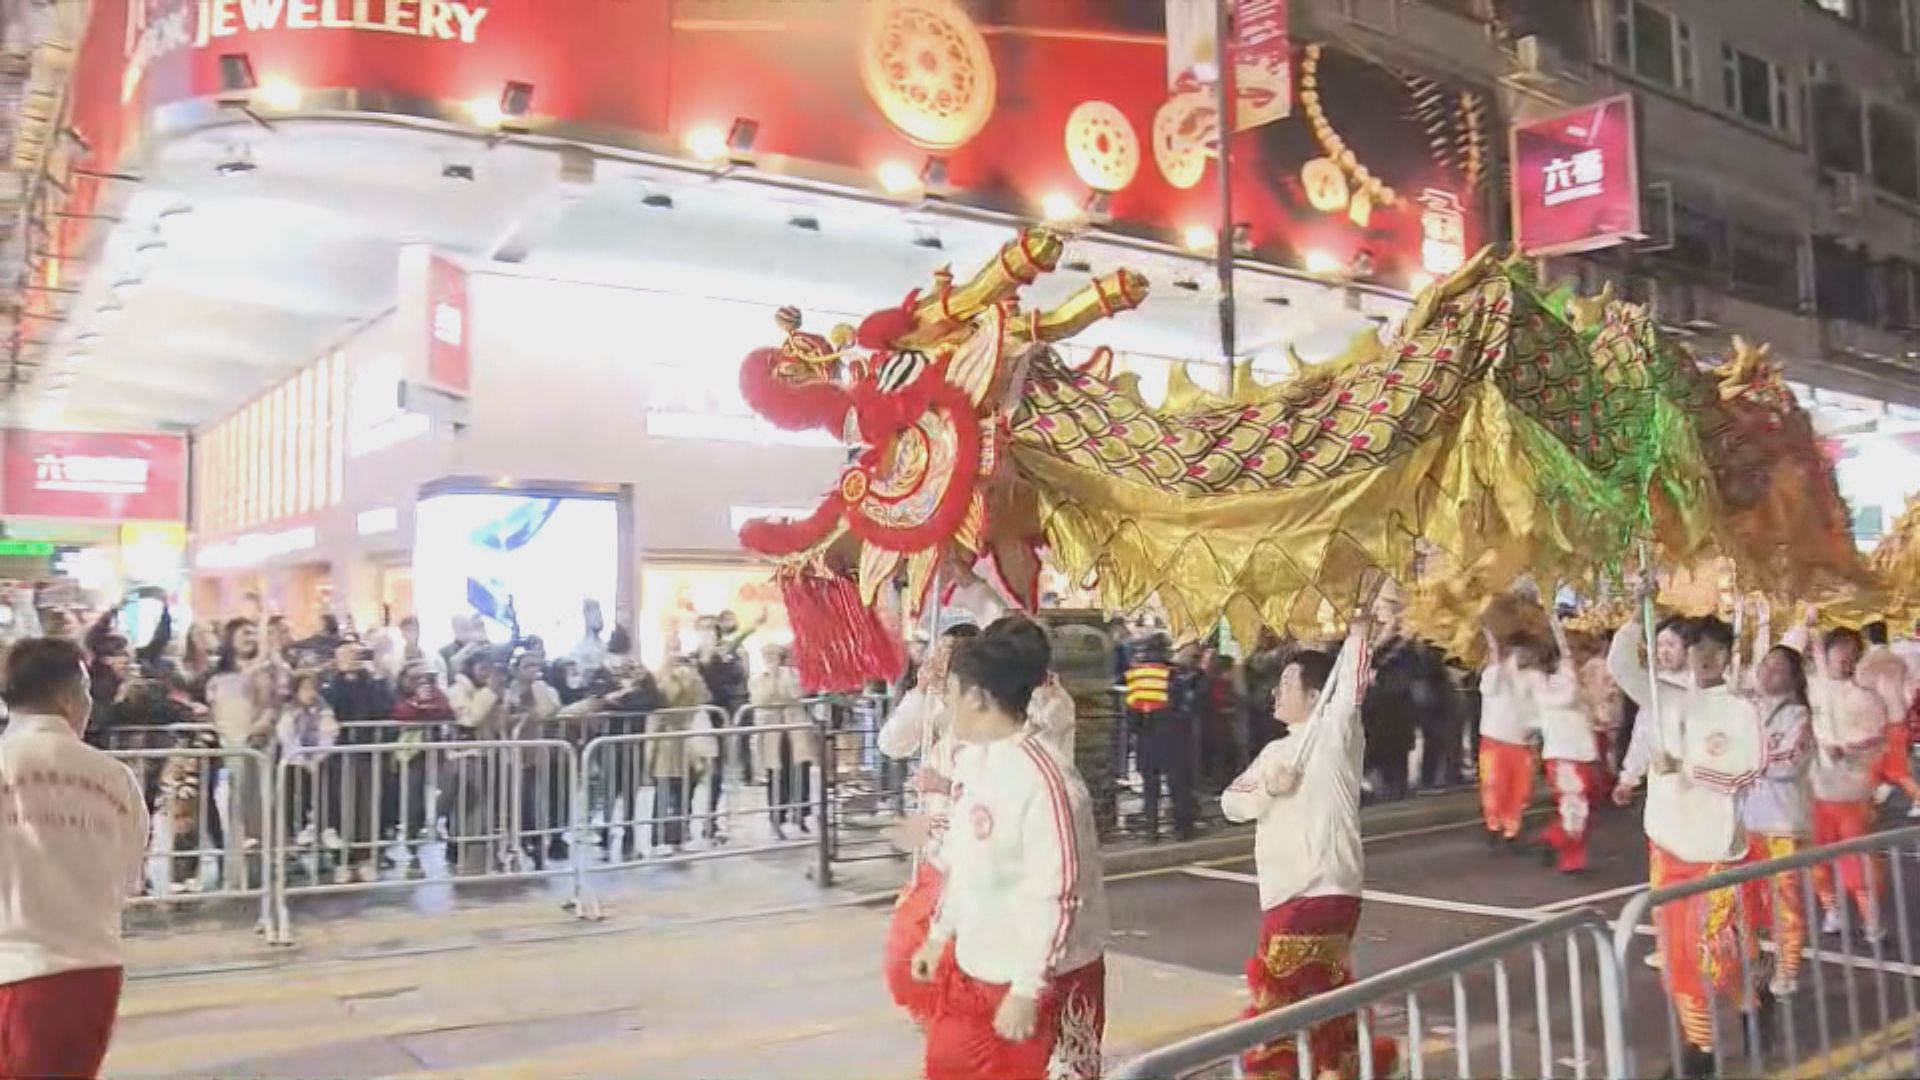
(735, 145)
(933, 175)
(1321, 262)
(1197, 238)
(516, 101)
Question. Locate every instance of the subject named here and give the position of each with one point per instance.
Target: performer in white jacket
(921, 726)
(1017, 946)
(1304, 793)
(1571, 751)
(1850, 725)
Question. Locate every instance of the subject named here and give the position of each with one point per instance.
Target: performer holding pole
(1571, 751)
(1017, 948)
(921, 725)
(1710, 750)
(1506, 761)
(1304, 793)
(1849, 725)
(1779, 811)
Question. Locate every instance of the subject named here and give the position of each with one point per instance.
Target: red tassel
(838, 642)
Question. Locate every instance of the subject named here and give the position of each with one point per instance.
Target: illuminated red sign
(94, 475)
(449, 362)
(1576, 179)
(839, 89)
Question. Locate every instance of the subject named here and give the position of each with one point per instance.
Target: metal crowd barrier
(504, 809)
(1779, 907)
(181, 785)
(1462, 970)
(687, 758)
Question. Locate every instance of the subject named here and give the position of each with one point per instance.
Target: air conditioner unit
(1535, 59)
(1850, 194)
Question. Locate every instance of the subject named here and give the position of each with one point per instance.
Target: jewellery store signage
(94, 476)
(1576, 179)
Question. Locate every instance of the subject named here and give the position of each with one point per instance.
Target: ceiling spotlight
(740, 137)
(897, 177)
(1077, 265)
(1242, 238)
(933, 175)
(457, 170)
(1098, 207)
(804, 221)
(1197, 238)
(1187, 284)
(657, 201)
(236, 73)
(279, 95)
(927, 238)
(516, 101)
(1058, 206)
(1280, 301)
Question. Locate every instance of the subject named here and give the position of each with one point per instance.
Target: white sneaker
(1914, 810)
(1874, 934)
(305, 839)
(343, 875)
(1782, 987)
(331, 840)
(1654, 960)
(369, 871)
(1830, 923)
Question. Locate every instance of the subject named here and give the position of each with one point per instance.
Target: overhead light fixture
(1058, 206)
(236, 73)
(1197, 238)
(1279, 301)
(926, 238)
(457, 170)
(1187, 284)
(804, 221)
(1077, 265)
(1321, 262)
(897, 177)
(280, 95)
(657, 201)
(88, 338)
(238, 165)
(707, 143)
(1419, 280)
(933, 175)
(516, 101)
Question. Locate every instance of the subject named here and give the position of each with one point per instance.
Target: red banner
(449, 365)
(94, 476)
(1576, 179)
(1262, 63)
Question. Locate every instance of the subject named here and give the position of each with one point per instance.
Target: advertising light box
(525, 560)
(1576, 179)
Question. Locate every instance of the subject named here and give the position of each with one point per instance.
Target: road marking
(1458, 907)
(1230, 860)
(1591, 898)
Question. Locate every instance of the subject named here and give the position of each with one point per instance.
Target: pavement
(744, 967)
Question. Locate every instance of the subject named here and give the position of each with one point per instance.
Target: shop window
(1653, 44)
(1885, 21)
(1900, 284)
(1842, 282)
(1838, 141)
(1892, 147)
(1699, 240)
(1764, 264)
(1756, 89)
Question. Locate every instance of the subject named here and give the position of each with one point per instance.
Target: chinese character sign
(1576, 183)
(94, 476)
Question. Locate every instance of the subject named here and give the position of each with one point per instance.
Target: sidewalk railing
(1789, 990)
(1400, 999)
